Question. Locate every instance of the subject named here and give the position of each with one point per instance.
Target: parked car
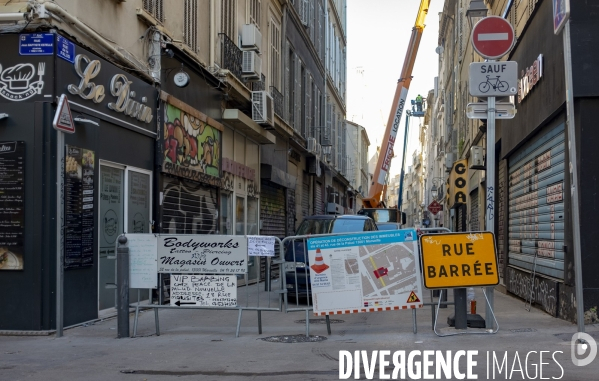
(296, 252)
(388, 225)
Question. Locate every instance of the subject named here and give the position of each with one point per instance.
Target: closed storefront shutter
(461, 218)
(272, 215)
(474, 220)
(502, 196)
(536, 205)
(272, 209)
(189, 207)
(305, 197)
(318, 206)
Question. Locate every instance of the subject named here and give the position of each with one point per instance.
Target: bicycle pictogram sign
(495, 84)
(493, 79)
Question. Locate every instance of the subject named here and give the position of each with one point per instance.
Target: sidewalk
(201, 345)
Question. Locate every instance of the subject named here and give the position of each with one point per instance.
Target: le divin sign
(455, 260)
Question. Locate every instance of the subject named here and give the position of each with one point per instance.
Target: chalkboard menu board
(79, 207)
(12, 198)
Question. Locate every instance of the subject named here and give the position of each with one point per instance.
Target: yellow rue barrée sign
(454, 260)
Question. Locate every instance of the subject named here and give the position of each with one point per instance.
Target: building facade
(191, 118)
(531, 206)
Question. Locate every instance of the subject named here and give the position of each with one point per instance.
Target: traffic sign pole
(490, 197)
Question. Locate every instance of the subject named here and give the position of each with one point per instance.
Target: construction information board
(455, 260)
(365, 272)
(201, 253)
(203, 290)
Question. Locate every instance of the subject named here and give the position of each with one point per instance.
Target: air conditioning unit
(311, 143)
(477, 157)
(251, 38)
(251, 65)
(318, 150)
(263, 111)
(448, 161)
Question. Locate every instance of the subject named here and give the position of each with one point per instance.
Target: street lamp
(437, 181)
(476, 11)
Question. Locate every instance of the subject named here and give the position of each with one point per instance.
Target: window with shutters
(155, 8)
(254, 7)
(190, 24)
(290, 84)
(275, 53)
(227, 14)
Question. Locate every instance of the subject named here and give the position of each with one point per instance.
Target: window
(255, 10)
(155, 8)
(190, 24)
(275, 53)
(228, 12)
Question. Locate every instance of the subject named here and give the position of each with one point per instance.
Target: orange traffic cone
(319, 265)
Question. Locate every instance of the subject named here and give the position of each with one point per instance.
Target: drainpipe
(58, 10)
(212, 33)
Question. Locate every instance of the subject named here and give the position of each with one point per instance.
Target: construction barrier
(204, 271)
(326, 272)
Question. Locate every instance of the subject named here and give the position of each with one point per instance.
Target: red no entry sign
(492, 37)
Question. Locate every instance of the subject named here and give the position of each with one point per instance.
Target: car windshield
(390, 226)
(322, 226)
(348, 226)
(314, 227)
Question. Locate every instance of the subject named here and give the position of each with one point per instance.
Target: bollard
(122, 283)
(267, 282)
(459, 298)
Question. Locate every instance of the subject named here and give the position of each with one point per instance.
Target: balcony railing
(258, 85)
(230, 56)
(278, 100)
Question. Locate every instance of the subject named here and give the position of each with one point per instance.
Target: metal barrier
(295, 277)
(255, 297)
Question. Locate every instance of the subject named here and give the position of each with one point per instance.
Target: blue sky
(377, 38)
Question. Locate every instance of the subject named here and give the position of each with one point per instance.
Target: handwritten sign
(454, 260)
(261, 246)
(204, 290)
(143, 267)
(207, 254)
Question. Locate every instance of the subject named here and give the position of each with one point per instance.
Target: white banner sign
(208, 254)
(262, 246)
(204, 290)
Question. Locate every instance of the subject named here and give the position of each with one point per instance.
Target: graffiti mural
(191, 144)
(544, 291)
(189, 208)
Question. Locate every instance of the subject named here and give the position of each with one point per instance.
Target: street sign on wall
(492, 37)
(561, 14)
(459, 260)
(493, 79)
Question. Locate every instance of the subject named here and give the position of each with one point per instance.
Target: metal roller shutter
(318, 206)
(502, 196)
(536, 205)
(474, 221)
(188, 207)
(272, 209)
(305, 197)
(272, 214)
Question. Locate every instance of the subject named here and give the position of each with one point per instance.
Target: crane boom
(403, 84)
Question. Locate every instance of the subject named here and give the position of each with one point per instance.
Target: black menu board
(79, 207)
(12, 198)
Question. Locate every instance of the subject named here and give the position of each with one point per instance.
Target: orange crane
(375, 193)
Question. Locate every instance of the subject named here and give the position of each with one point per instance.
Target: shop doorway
(125, 207)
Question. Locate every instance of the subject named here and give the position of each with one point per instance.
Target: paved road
(201, 345)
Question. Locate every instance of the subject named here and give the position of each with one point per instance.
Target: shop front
(106, 176)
